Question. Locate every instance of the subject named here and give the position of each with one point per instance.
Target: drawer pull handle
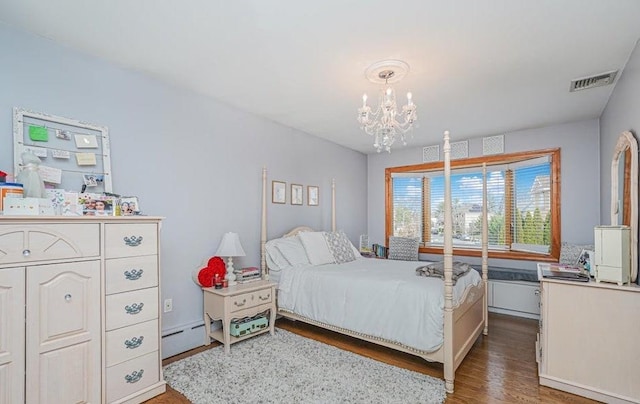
(134, 342)
(537, 292)
(26, 253)
(134, 274)
(265, 298)
(240, 304)
(133, 241)
(67, 297)
(134, 377)
(134, 308)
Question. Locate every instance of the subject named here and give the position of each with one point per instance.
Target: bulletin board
(72, 153)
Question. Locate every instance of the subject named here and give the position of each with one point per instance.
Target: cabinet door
(12, 335)
(63, 342)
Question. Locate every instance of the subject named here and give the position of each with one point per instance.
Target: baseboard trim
(185, 337)
(514, 313)
(585, 391)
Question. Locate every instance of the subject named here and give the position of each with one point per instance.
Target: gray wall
(189, 158)
(579, 172)
(622, 113)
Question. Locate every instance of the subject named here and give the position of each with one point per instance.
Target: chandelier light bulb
(409, 101)
(364, 100)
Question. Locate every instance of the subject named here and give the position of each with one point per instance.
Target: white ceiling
(478, 67)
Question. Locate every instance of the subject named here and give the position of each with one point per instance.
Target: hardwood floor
(501, 367)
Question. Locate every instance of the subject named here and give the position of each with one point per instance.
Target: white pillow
(293, 251)
(356, 252)
(316, 247)
(275, 260)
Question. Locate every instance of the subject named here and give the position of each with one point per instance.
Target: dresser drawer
(251, 299)
(130, 342)
(125, 274)
(31, 243)
(131, 376)
(130, 239)
(133, 307)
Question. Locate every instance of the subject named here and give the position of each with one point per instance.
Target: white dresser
(588, 339)
(79, 310)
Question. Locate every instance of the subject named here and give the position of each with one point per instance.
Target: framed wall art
(296, 194)
(278, 192)
(313, 195)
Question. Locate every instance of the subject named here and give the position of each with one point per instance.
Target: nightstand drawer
(131, 376)
(130, 342)
(130, 240)
(29, 243)
(252, 299)
(129, 308)
(125, 274)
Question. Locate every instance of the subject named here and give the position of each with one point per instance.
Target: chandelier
(387, 124)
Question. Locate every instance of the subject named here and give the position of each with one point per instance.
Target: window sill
(507, 255)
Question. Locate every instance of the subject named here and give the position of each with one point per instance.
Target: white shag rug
(288, 368)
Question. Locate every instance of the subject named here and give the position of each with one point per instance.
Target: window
(523, 194)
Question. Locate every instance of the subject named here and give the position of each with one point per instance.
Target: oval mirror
(624, 191)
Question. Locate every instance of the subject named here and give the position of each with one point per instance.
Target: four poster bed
(381, 301)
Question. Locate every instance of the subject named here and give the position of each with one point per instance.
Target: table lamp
(230, 247)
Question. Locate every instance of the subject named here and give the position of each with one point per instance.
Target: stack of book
(380, 251)
(247, 274)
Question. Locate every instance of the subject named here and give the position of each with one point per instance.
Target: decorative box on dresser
(79, 317)
(588, 339)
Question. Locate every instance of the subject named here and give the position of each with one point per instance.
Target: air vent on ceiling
(603, 79)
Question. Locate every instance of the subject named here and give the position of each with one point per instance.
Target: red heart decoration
(215, 266)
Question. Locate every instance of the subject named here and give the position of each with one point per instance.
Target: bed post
(333, 204)
(263, 227)
(449, 365)
(485, 248)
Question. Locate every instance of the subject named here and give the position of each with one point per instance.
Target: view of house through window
(520, 199)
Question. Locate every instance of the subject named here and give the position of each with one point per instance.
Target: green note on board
(38, 133)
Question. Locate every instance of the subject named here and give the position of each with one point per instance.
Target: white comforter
(381, 298)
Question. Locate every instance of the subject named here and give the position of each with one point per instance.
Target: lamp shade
(230, 246)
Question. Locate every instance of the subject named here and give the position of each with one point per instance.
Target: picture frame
(296, 194)
(129, 206)
(313, 195)
(93, 204)
(278, 192)
(586, 260)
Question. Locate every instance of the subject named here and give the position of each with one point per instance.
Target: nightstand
(235, 302)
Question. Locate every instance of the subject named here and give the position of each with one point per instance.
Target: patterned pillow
(569, 253)
(340, 246)
(403, 248)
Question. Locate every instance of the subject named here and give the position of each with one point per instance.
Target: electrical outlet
(168, 305)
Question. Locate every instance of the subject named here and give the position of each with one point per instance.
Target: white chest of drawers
(587, 339)
(79, 318)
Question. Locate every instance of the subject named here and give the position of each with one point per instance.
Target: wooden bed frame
(463, 323)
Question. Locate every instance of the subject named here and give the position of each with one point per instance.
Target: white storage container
(613, 256)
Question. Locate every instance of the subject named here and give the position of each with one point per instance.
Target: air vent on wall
(603, 79)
